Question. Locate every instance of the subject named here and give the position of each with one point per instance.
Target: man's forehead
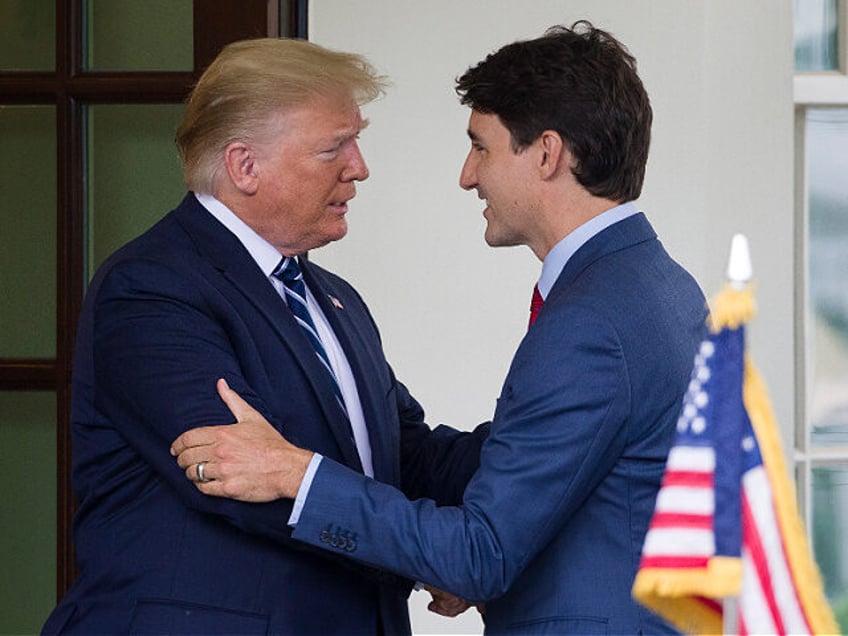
(481, 124)
(327, 118)
(351, 129)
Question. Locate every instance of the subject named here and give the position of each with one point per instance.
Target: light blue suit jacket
(552, 524)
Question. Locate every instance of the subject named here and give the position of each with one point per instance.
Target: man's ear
(242, 166)
(554, 154)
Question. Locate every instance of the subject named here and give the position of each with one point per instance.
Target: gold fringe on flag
(731, 308)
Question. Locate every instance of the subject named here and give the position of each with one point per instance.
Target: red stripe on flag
(668, 561)
(753, 541)
(689, 478)
(681, 520)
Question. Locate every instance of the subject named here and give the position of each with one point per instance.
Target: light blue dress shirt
(560, 254)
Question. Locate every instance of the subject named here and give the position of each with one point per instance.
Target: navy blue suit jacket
(164, 317)
(552, 524)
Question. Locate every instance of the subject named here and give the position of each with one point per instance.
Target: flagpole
(739, 273)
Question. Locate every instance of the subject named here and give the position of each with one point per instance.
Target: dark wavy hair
(580, 82)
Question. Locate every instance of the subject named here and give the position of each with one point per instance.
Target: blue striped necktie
(289, 272)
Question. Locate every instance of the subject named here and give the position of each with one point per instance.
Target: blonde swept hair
(252, 80)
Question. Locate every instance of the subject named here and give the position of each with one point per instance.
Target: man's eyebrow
(473, 136)
(351, 133)
(354, 132)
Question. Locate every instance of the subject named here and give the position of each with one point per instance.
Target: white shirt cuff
(303, 491)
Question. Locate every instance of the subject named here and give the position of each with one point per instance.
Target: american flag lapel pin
(336, 302)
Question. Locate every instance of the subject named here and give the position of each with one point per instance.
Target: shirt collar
(265, 254)
(557, 258)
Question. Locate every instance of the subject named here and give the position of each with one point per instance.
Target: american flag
(725, 525)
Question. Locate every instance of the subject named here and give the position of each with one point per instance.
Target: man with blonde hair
(220, 286)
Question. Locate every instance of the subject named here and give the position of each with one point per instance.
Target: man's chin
(342, 230)
(338, 233)
(493, 240)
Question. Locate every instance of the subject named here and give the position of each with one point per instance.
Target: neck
(566, 215)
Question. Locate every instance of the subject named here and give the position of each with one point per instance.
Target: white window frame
(811, 89)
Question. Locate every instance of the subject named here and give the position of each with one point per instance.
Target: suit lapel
(363, 365)
(228, 256)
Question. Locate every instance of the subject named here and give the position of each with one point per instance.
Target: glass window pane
(827, 191)
(830, 527)
(139, 35)
(28, 232)
(134, 175)
(28, 513)
(27, 35)
(816, 33)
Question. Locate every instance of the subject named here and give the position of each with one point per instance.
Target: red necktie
(535, 305)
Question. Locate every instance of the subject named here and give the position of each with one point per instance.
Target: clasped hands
(251, 461)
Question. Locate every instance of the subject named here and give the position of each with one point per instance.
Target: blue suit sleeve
(149, 373)
(559, 427)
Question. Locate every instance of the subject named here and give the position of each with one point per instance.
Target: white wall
(451, 309)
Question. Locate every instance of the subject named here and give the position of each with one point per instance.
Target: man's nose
(357, 169)
(468, 174)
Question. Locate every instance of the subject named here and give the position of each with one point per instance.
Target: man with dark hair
(550, 530)
(583, 86)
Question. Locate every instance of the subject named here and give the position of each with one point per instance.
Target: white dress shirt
(268, 258)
